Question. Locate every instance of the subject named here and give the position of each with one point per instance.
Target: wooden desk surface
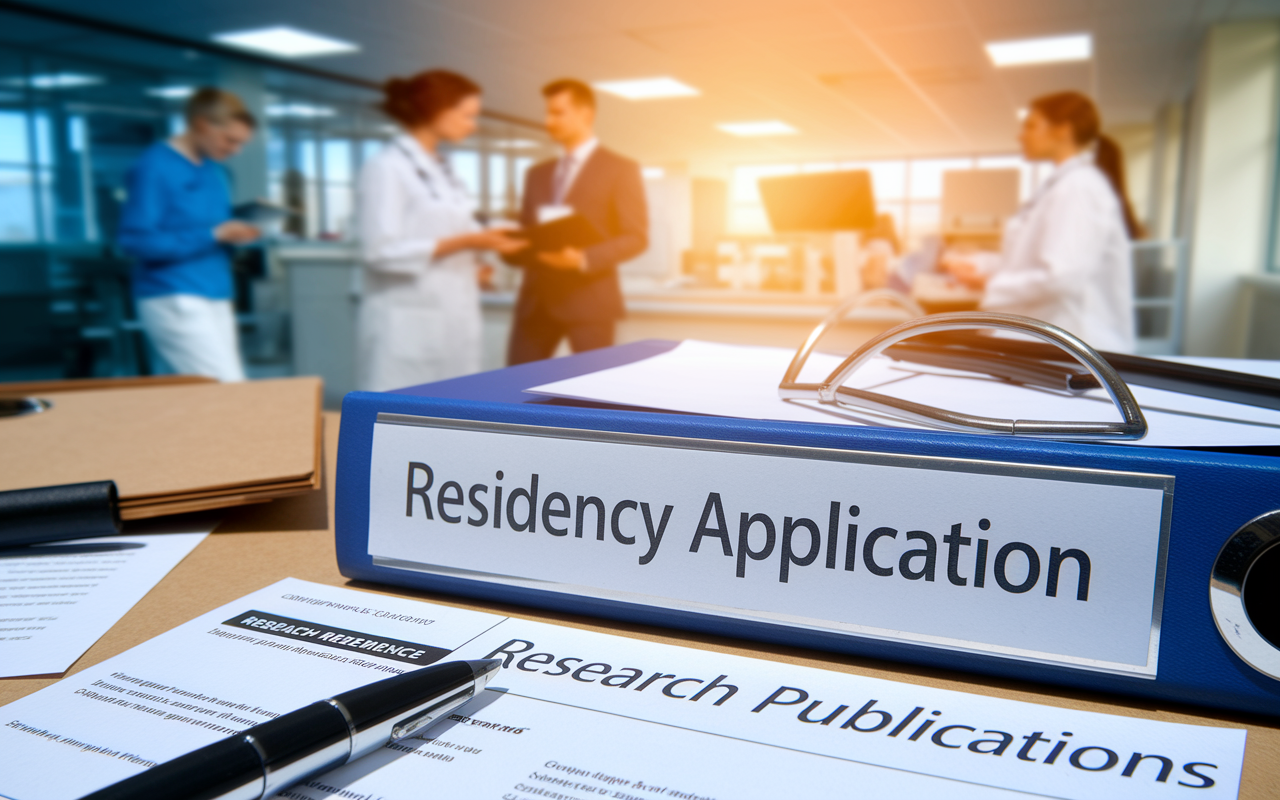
(259, 545)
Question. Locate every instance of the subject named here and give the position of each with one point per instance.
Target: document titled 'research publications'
(576, 715)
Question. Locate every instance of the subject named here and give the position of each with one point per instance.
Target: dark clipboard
(574, 231)
(262, 212)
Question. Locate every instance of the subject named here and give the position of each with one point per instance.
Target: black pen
(58, 513)
(1022, 371)
(267, 758)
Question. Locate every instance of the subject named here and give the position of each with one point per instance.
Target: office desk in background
(324, 301)
(293, 537)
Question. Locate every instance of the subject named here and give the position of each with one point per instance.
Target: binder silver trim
(979, 466)
(1226, 592)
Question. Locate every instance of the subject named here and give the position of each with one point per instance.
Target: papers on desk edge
(58, 599)
(576, 713)
(740, 381)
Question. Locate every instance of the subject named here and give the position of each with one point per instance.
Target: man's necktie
(560, 187)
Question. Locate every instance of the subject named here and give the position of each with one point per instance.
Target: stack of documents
(173, 448)
(575, 714)
(738, 381)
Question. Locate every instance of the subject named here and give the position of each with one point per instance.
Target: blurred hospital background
(709, 95)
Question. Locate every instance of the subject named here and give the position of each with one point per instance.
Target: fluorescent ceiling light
(299, 111)
(647, 88)
(1045, 50)
(770, 127)
(55, 80)
(653, 173)
(171, 92)
(283, 40)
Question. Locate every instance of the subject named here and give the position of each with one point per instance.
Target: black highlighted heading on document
(339, 638)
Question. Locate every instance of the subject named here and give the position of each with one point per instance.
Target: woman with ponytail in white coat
(1066, 256)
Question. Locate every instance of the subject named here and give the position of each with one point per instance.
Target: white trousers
(194, 335)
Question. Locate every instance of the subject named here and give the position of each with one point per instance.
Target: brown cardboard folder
(171, 447)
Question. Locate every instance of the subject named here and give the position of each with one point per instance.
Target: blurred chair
(66, 312)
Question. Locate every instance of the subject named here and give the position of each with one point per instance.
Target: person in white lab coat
(419, 317)
(1066, 257)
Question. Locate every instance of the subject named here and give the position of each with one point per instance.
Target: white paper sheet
(736, 381)
(718, 379)
(576, 714)
(57, 599)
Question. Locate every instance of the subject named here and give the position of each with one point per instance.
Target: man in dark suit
(574, 292)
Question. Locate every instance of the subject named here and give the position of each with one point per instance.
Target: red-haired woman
(1066, 257)
(419, 318)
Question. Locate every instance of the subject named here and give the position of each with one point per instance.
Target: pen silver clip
(425, 717)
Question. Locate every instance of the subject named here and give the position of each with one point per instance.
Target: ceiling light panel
(647, 88)
(56, 80)
(286, 42)
(171, 92)
(771, 127)
(1045, 50)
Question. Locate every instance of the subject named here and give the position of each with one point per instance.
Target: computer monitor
(819, 202)
(978, 201)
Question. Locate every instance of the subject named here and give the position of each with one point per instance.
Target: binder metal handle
(836, 315)
(832, 391)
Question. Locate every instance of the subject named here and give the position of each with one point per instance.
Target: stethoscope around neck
(426, 176)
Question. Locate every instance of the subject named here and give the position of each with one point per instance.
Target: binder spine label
(1046, 564)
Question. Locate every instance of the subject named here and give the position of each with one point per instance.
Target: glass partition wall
(315, 153)
(79, 104)
(73, 117)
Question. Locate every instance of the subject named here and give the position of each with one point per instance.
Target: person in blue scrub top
(178, 228)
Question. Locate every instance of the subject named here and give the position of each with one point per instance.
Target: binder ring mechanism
(833, 392)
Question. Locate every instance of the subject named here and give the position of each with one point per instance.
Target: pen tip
(485, 669)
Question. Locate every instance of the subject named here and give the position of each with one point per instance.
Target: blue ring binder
(1214, 495)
